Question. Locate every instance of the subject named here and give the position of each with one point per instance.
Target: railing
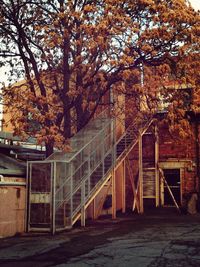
(74, 179)
(132, 133)
(72, 176)
(80, 172)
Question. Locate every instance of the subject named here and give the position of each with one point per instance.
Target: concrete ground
(157, 239)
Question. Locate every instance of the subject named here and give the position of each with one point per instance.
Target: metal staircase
(61, 187)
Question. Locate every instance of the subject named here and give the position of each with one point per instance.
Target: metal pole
(114, 149)
(53, 185)
(124, 187)
(28, 196)
(89, 176)
(71, 193)
(94, 209)
(103, 153)
(113, 196)
(140, 173)
(156, 167)
(83, 204)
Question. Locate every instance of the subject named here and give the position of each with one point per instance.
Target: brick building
(164, 151)
(159, 169)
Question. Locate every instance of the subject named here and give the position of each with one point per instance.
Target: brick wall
(181, 152)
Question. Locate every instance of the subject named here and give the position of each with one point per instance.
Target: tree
(72, 53)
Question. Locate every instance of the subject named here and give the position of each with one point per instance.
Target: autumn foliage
(70, 54)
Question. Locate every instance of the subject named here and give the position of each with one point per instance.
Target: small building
(13, 157)
(12, 196)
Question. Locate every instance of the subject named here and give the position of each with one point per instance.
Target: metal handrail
(84, 178)
(86, 160)
(112, 165)
(110, 150)
(87, 176)
(98, 133)
(86, 145)
(82, 181)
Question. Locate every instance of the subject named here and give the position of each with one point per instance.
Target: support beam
(124, 187)
(113, 195)
(135, 188)
(83, 204)
(140, 173)
(53, 186)
(28, 195)
(156, 167)
(71, 195)
(136, 200)
(94, 215)
(83, 216)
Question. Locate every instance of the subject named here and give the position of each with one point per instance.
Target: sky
(195, 4)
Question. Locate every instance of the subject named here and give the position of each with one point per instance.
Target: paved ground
(154, 240)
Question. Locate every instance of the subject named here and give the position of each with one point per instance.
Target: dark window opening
(172, 176)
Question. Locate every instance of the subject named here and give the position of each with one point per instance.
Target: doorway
(172, 176)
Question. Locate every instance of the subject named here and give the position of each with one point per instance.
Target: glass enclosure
(61, 184)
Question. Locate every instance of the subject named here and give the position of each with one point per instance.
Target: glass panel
(41, 177)
(40, 195)
(40, 215)
(96, 176)
(89, 148)
(63, 184)
(76, 200)
(87, 188)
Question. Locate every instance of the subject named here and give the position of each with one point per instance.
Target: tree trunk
(67, 123)
(49, 149)
(79, 113)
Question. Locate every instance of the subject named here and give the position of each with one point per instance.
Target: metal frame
(99, 154)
